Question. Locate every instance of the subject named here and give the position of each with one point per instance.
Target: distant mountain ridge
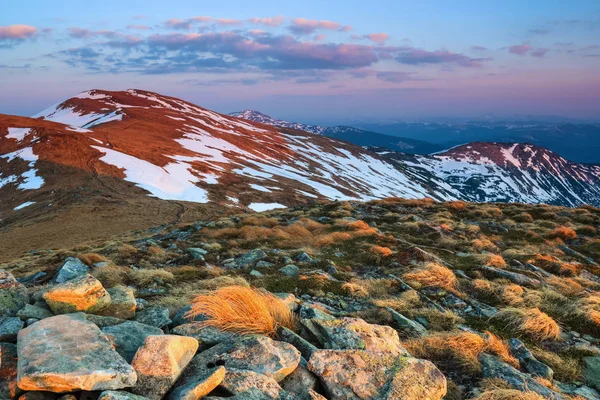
(350, 134)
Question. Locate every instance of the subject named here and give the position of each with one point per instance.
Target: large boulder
(359, 374)
(200, 386)
(253, 353)
(122, 303)
(9, 327)
(154, 316)
(67, 353)
(129, 336)
(84, 293)
(13, 295)
(355, 333)
(160, 362)
(591, 371)
(8, 371)
(72, 268)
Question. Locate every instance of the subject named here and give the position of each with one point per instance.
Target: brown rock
(84, 293)
(160, 361)
(200, 386)
(358, 374)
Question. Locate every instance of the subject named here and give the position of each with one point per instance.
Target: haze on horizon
(312, 60)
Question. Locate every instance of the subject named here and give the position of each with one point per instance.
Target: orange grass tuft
(508, 394)
(565, 233)
(242, 310)
(381, 251)
(496, 261)
(433, 274)
(530, 322)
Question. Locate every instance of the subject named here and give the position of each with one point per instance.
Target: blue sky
(321, 61)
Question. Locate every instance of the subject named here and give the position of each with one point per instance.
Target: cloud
(539, 52)
(138, 27)
(520, 49)
(227, 21)
(302, 26)
(539, 31)
(377, 37)
(268, 21)
(394, 76)
(176, 23)
(479, 48)
(17, 32)
(415, 56)
(319, 38)
(83, 33)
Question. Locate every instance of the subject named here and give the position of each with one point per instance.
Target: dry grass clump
(405, 301)
(484, 244)
(509, 394)
(456, 205)
(565, 286)
(512, 294)
(360, 228)
(91, 258)
(260, 221)
(495, 260)
(530, 322)
(145, 277)
(381, 251)
(433, 274)
(111, 275)
(220, 281)
(332, 238)
(242, 310)
(127, 252)
(555, 266)
(564, 233)
(566, 368)
(451, 349)
(354, 289)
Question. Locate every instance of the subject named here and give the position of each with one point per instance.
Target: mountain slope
(350, 134)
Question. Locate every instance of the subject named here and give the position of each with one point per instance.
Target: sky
(311, 61)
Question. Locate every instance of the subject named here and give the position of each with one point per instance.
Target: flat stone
(84, 293)
(154, 316)
(103, 321)
(72, 268)
(515, 277)
(250, 258)
(410, 328)
(8, 371)
(31, 311)
(250, 384)
(207, 336)
(119, 395)
(528, 361)
(76, 356)
(304, 346)
(160, 362)
(300, 382)
(200, 386)
(289, 270)
(129, 336)
(122, 303)
(197, 253)
(9, 327)
(359, 374)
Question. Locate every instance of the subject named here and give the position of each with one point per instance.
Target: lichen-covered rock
(119, 395)
(122, 303)
(253, 353)
(359, 374)
(84, 293)
(154, 316)
(8, 281)
(206, 336)
(591, 371)
(408, 327)
(305, 347)
(250, 258)
(76, 356)
(31, 311)
(200, 386)
(160, 362)
(129, 336)
(103, 321)
(249, 383)
(300, 382)
(8, 371)
(355, 333)
(13, 295)
(72, 268)
(9, 327)
(289, 270)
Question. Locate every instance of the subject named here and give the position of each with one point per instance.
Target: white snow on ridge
(18, 133)
(258, 207)
(26, 204)
(30, 179)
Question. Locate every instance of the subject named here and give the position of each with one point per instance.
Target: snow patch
(258, 207)
(26, 204)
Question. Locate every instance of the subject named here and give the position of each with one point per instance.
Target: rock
(359, 374)
(493, 367)
(251, 385)
(33, 279)
(303, 257)
(13, 295)
(129, 336)
(591, 371)
(528, 361)
(181, 318)
(154, 316)
(300, 382)
(289, 270)
(38, 396)
(119, 395)
(207, 336)
(84, 293)
(254, 353)
(263, 264)
(31, 311)
(200, 386)
(250, 258)
(103, 321)
(410, 328)
(197, 253)
(67, 397)
(584, 392)
(77, 356)
(9, 327)
(72, 268)
(122, 303)
(160, 362)
(515, 277)
(306, 348)
(8, 371)
(355, 333)
(256, 274)
(8, 281)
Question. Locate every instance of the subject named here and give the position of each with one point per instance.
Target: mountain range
(133, 159)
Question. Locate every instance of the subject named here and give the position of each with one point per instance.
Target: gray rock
(154, 316)
(256, 273)
(591, 371)
(303, 257)
(33, 279)
(493, 367)
(31, 311)
(250, 258)
(31, 321)
(101, 321)
(8, 371)
(289, 270)
(528, 361)
(77, 356)
(71, 268)
(119, 395)
(13, 295)
(197, 253)
(263, 264)
(122, 303)
(410, 328)
(200, 386)
(129, 336)
(300, 382)
(207, 336)
(249, 384)
(515, 277)
(305, 347)
(181, 318)
(9, 327)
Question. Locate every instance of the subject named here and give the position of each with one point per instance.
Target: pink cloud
(17, 32)
(520, 49)
(227, 21)
(307, 26)
(320, 37)
(177, 23)
(201, 18)
(378, 37)
(539, 53)
(268, 21)
(138, 27)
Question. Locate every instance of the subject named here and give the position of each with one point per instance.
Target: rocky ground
(393, 299)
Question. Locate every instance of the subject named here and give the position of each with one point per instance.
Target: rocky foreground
(389, 300)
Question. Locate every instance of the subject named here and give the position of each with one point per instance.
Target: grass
(530, 322)
(91, 258)
(242, 310)
(433, 274)
(509, 394)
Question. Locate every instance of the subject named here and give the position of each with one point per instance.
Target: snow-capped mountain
(124, 147)
(348, 133)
